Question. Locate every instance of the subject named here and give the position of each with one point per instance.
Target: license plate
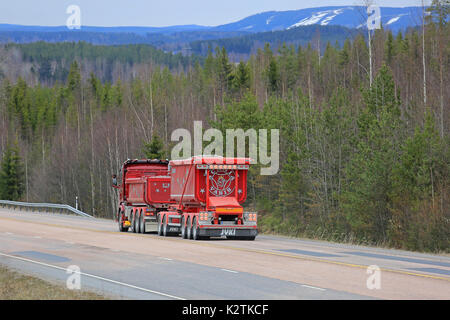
(228, 232)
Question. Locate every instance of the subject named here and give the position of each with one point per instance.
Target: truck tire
(119, 221)
(195, 230)
(164, 224)
(142, 223)
(136, 222)
(183, 228)
(159, 226)
(188, 229)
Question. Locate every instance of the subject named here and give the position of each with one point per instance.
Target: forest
(364, 127)
(245, 45)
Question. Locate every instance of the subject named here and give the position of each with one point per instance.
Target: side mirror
(114, 180)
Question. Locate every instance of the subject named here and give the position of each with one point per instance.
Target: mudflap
(228, 232)
(173, 230)
(151, 226)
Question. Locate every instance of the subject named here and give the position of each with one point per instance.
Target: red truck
(199, 198)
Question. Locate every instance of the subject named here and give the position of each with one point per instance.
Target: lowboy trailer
(197, 198)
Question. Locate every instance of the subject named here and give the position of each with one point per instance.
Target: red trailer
(199, 197)
(143, 193)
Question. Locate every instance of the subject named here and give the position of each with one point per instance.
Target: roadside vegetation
(17, 286)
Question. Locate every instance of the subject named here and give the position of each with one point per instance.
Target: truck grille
(228, 217)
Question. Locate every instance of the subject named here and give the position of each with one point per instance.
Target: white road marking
(311, 287)
(93, 276)
(9, 233)
(37, 237)
(226, 270)
(168, 259)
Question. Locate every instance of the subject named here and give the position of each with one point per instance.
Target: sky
(158, 13)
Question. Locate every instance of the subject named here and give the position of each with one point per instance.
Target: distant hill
(135, 30)
(247, 44)
(347, 16)
(240, 37)
(114, 38)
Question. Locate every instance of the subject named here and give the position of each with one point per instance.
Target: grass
(17, 286)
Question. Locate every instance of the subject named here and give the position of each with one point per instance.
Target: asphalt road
(136, 266)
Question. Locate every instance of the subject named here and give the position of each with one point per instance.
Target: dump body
(209, 193)
(145, 182)
(190, 180)
(158, 190)
(143, 193)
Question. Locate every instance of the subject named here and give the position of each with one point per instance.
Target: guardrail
(7, 203)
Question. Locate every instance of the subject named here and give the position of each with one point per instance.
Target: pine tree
(366, 199)
(154, 149)
(74, 79)
(389, 49)
(418, 178)
(273, 76)
(344, 54)
(241, 80)
(73, 95)
(224, 70)
(45, 70)
(11, 175)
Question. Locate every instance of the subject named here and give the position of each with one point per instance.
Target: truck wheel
(121, 228)
(119, 221)
(159, 226)
(134, 223)
(137, 222)
(195, 230)
(142, 223)
(188, 229)
(183, 228)
(165, 233)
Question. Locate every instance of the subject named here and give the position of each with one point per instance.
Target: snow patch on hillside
(393, 20)
(317, 17)
(328, 19)
(248, 27)
(268, 21)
